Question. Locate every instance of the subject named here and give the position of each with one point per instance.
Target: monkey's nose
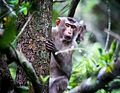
(69, 33)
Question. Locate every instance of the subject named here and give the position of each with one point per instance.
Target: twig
(10, 9)
(23, 28)
(109, 24)
(59, 1)
(67, 50)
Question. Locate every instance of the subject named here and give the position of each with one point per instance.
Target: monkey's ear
(80, 36)
(58, 21)
(81, 22)
(82, 26)
(82, 29)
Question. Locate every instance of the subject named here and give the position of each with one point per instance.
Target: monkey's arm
(62, 62)
(20, 59)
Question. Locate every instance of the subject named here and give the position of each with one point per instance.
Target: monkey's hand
(50, 46)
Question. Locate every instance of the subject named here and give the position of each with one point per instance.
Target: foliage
(44, 79)
(88, 62)
(12, 68)
(24, 7)
(60, 9)
(23, 89)
(17, 8)
(9, 30)
(8, 17)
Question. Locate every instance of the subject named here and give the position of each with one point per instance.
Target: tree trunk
(32, 41)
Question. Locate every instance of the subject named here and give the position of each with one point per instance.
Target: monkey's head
(69, 28)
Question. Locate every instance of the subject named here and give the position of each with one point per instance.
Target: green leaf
(15, 2)
(23, 89)
(13, 73)
(24, 7)
(25, 4)
(44, 78)
(109, 68)
(100, 51)
(25, 11)
(10, 31)
(113, 46)
(12, 68)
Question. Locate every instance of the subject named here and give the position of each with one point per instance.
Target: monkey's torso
(58, 78)
(55, 69)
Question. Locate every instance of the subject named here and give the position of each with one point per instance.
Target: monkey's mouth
(68, 38)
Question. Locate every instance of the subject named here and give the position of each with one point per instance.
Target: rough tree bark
(32, 41)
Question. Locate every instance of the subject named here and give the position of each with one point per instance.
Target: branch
(58, 1)
(109, 24)
(93, 84)
(73, 6)
(23, 28)
(9, 8)
(116, 36)
(15, 56)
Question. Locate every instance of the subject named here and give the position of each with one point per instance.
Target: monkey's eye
(58, 22)
(67, 25)
(73, 26)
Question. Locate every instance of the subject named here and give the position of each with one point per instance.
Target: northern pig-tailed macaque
(64, 36)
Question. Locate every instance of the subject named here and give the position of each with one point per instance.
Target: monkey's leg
(58, 85)
(53, 89)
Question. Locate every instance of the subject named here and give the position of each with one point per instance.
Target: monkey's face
(68, 27)
(69, 32)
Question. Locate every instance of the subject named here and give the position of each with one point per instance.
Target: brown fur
(61, 64)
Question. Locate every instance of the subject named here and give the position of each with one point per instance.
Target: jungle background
(98, 50)
(94, 59)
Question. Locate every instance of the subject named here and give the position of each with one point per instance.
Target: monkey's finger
(50, 49)
(50, 44)
(51, 41)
